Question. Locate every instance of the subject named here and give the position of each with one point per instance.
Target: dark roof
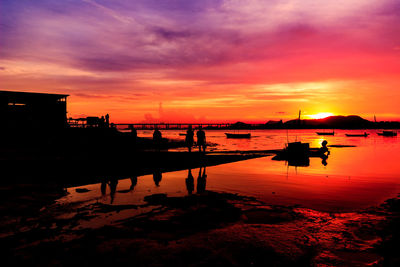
(28, 96)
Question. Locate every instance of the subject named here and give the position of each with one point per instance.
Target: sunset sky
(191, 60)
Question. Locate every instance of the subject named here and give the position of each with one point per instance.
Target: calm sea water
(354, 177)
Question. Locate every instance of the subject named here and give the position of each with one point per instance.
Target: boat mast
(299, 116)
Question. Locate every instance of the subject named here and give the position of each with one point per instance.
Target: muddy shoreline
(202, 229)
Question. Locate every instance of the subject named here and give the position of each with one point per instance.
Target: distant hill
(340, 122)
(332, 122)
(348, 122)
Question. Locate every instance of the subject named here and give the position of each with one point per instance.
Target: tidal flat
(193, 230)
(237, 209)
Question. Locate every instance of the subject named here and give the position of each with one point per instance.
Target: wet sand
(205, 229)
(211, 228)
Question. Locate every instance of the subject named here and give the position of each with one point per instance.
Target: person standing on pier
(107, 120)
(201, 139)
(133, 132)
(189, 138)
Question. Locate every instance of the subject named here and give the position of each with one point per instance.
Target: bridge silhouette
(95, 122)
(172, 126)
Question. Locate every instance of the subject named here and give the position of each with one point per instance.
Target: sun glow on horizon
(321, 115)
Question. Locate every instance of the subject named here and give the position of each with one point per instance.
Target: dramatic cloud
(207, 59)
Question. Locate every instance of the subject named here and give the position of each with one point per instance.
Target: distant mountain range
(332, 122)
(335, 122)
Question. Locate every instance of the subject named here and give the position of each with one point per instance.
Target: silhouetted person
(157, 176)
(133, 183)
(189, 138)
(133, 132)
(190, 182)
(102, 122)
(324, 152)
(324, 149)
(201, 181)
(157, 138)
(201, 139)
(107, 120)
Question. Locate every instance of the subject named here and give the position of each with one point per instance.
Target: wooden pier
(84, 123)
(172, 126)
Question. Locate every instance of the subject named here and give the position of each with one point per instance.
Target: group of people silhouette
(201, 139)
(189, 139)
(104, 121)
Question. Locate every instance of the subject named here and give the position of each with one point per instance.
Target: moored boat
(358, 135)
(388, 133)
(238, 135)
(298, 153)
(326, 133)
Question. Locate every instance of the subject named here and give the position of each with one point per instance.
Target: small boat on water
(388, 133)
(298, 154)
(358, 135)
(326, 133)
(238, 135)
(182, 134)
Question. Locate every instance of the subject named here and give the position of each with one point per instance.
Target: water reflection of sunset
(354, 177)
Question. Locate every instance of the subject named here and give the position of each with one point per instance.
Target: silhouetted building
(32, 110)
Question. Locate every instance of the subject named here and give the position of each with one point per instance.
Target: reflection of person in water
(133, 183)
(103, 187)
(157, 176)
(190, 182)
(324, 162)
(113, 188)
(112, 183)
(201, 181)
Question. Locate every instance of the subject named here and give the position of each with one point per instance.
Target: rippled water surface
(354, 177)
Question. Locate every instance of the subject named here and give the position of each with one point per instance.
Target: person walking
(189, 138)
(157, 138)
(201, 139)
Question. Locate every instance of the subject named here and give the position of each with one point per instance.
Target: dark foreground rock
(205, 229)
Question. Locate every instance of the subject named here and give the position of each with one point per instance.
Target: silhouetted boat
(358, 135)
(388, 133)
(182, 134)
(298, 154)
(326, 133)
(238, 135)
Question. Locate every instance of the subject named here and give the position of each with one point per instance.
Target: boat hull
(357, 135)
(231, 135)
(321, 133)
(388, 133)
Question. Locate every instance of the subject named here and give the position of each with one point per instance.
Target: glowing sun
(320, 115)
